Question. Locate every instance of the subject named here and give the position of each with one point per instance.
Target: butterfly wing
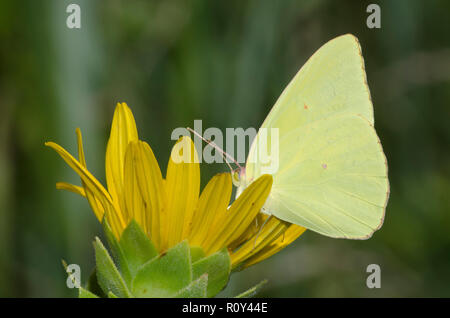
(331, 172)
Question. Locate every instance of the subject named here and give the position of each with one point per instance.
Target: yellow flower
(170, 210)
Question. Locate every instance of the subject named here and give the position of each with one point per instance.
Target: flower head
(171, 209)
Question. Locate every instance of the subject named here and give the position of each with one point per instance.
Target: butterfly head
(238, 177)
(239, 180)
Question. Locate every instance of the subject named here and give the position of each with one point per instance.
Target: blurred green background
(225, 63)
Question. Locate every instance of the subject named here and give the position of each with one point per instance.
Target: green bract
(136, 269)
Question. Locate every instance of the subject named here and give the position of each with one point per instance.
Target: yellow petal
(269, 232)
(144, 193)
(134, 203)
(91, 182)
(93, 202)
(213, 201)
(289, 236)
(81, 157)
(240, 215)
(123, 131)
(182, 186)
(71, 188)
(252, 230)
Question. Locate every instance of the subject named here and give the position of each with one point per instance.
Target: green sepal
(165, 275)
(117, 252)
(252, 291)
(138, 270)
(84, 293)
(196, 253)
(217, 266)
(64, 264)
(136, 247)
(108, 275)
(111, 295)
(196, 289)
(93, 286)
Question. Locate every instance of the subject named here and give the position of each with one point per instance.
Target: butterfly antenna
(224, 154)
(259, 232)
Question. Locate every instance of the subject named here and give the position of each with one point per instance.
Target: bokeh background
(225, 63)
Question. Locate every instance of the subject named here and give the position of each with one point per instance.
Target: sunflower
(171, 209)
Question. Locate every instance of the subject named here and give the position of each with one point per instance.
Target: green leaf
(196, 253)
(111, 295)
(108, 275)
(165, 275)
(137, 247)
(93, 286)
(217, 266)
(117, 252)
(196, 289)
(252, 291)
(83, 293)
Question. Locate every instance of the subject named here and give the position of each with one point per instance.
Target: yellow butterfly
(331, 172)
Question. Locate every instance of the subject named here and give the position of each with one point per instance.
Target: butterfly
(330, 173)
